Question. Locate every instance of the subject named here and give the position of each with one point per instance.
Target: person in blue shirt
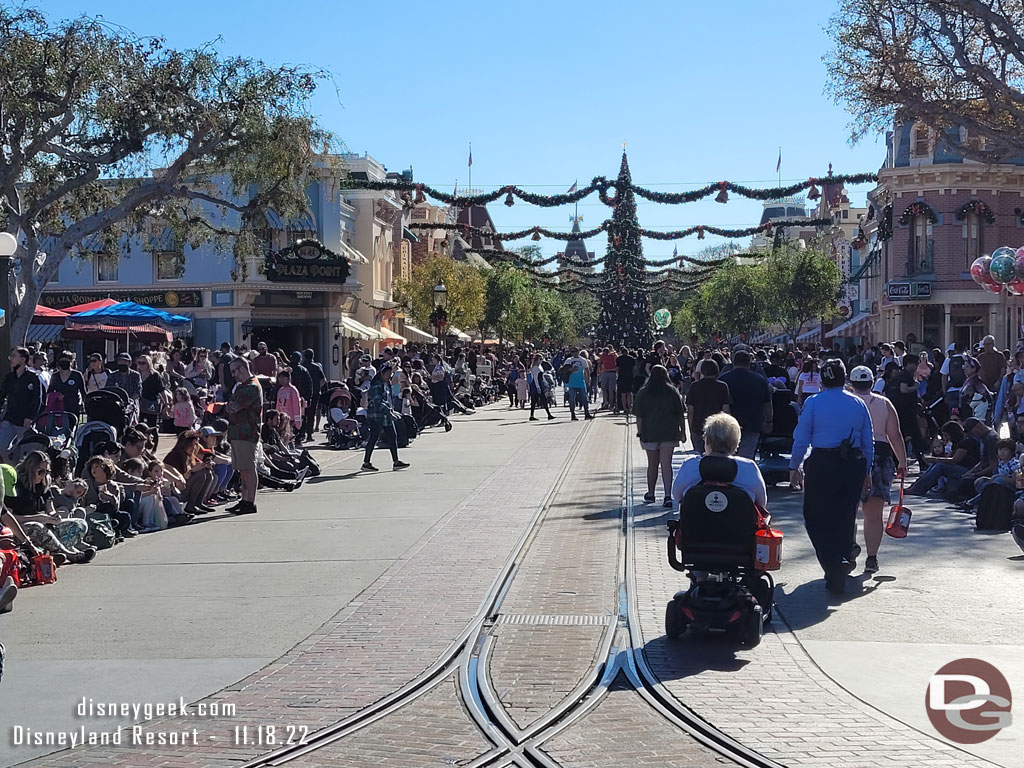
(577, 386)
(836, 426)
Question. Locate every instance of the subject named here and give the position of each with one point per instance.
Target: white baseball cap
(861, 373)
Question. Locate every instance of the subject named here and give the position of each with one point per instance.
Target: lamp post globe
(440, 296)
(8, 244)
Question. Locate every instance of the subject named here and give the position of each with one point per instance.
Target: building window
(106, 267)
(921, 245)
(294, 235)
(974, 237)
(170, 265)
(922, 141)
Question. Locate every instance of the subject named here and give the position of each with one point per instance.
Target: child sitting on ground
(154, 518)
(70, 502)
(1006, 471)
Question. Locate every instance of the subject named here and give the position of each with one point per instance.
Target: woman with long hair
(188, 460)
(33, 507)
(660, 425)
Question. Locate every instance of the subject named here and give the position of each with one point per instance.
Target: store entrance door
(288, 338)
(968, 331)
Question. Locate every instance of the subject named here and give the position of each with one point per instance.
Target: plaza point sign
(307, 261)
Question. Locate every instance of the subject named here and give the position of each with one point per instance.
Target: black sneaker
(533, 418)
(668, 502)
(368, 467)
(246, 508)
(836, 583)
(399, 465)
(871, 564)
(589, 416)
(649, 498)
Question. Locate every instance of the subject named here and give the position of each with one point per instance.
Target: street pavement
(339, 594)
(846, 676)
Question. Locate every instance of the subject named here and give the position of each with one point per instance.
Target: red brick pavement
(391, 633)
(773, 698)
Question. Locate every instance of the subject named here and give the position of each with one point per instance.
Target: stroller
(716, 533)
(774, 449)
(427, 414)
(89, 437)
(112, 406)
(58, 424)
(342, 432)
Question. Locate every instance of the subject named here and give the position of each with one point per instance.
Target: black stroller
(775, 449)
(112, 406)
(716, 534)
(427, 414)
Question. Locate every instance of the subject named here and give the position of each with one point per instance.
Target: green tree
(800, 285)
(466, 291)
(507, 300)
(105, 134)
(731, 302)
(949, 63)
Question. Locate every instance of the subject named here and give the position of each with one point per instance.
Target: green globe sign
(662, 318)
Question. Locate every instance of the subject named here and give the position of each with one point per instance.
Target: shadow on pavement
(810, 603)
(692, 654)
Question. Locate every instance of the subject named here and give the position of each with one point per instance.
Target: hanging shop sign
(908, 291)
(307, 261)
(157, 299)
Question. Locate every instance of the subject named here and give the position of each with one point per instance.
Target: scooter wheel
(753, 628)
(675, 622)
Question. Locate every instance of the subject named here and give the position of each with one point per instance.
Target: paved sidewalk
(846, 684)
(249, 589)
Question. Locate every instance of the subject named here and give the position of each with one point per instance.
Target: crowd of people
(80, 454)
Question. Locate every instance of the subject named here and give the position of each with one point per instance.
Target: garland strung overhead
(602, 185)
(978, 207)
(606, 225)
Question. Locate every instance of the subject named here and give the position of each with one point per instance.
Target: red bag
(899, 518)
(43, 569)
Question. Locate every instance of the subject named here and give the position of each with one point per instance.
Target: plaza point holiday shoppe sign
(307, 261)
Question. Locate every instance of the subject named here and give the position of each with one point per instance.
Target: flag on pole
(675, 251)
(455, 191)
(470, 156)
(572, 189)
(778, 165)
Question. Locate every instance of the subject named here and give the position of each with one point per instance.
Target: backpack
(995, 508)
(956, 377)
(101, 530)
(565, 372)
(54, 402)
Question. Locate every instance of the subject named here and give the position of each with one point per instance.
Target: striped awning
(303, 223)
(353, 329)
(460, 335)
(44, 332)
(417, 335)
(812, 335)
(850, 327)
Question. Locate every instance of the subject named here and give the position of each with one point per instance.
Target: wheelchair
(714, 541)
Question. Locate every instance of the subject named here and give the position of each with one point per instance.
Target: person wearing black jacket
(304, 383)
(22, 395)
(69, 383)
(311, 418)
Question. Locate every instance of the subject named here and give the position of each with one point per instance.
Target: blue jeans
(580, 394)
(931, 476)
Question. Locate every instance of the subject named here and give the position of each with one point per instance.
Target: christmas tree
(625, 318)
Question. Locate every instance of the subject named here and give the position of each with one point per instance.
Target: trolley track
(620, 657)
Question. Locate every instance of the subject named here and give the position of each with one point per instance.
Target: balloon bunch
(1005, 267)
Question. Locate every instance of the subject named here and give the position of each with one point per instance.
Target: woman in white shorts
(660, 425)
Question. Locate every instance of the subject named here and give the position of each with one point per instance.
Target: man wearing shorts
(245, 415)
(890, 460)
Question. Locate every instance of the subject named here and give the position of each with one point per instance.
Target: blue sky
(548, 91)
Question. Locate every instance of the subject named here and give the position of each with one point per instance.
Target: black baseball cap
(971, 423)
(833, 373)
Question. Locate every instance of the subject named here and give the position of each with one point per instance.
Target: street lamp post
(440, 312)
(8, 247)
